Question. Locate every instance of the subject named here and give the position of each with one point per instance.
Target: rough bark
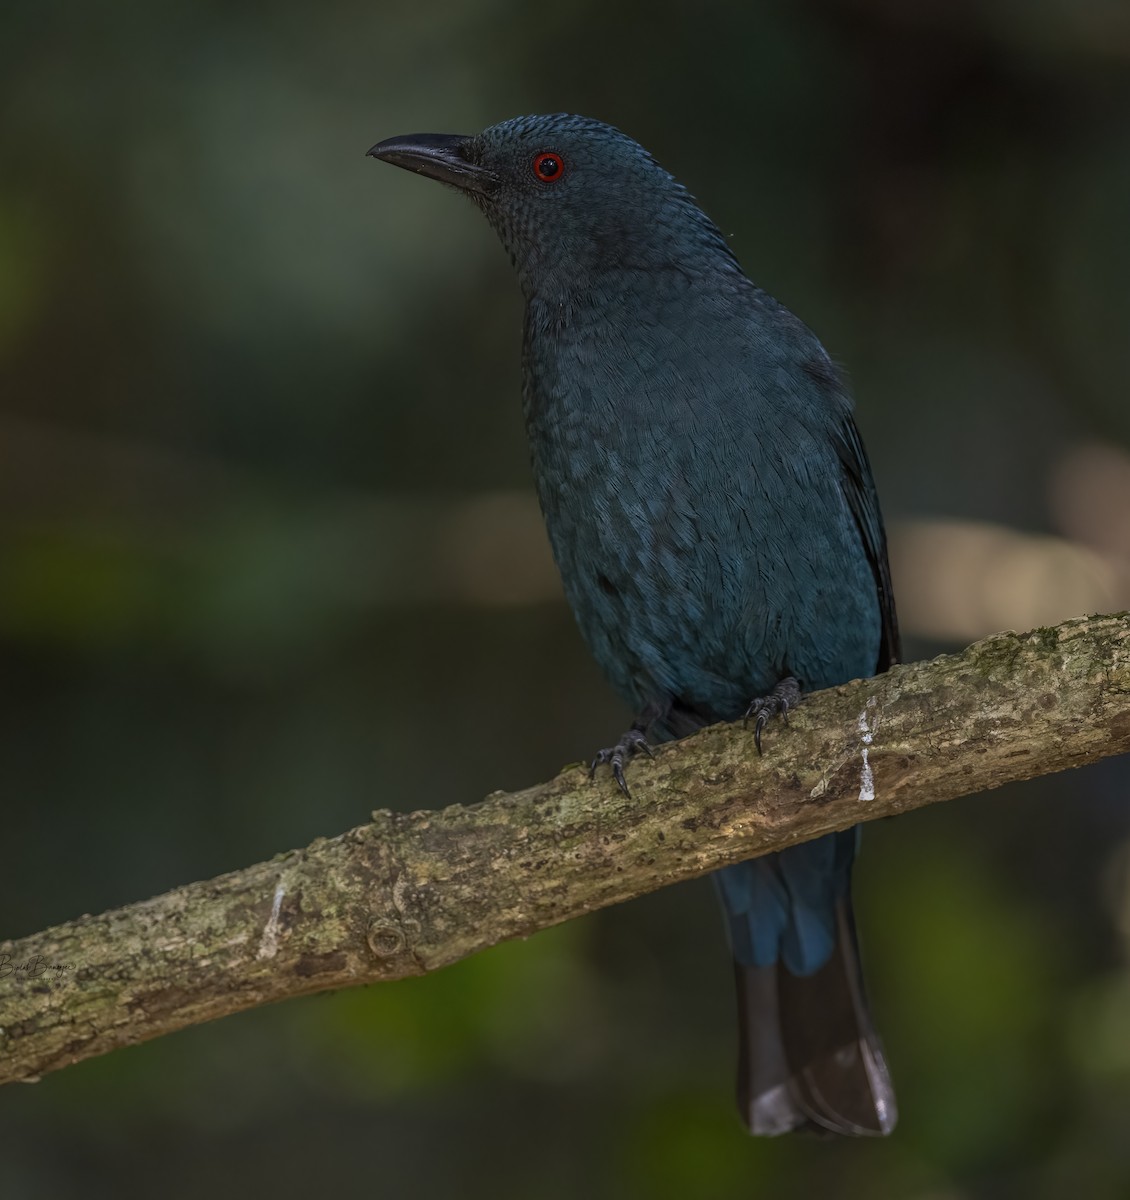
(412, 892)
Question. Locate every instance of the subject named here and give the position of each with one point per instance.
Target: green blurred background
(269, 559)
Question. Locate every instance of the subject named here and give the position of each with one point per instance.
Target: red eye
(548, 166)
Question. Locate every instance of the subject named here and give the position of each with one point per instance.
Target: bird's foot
(632, 743)
(784, 696)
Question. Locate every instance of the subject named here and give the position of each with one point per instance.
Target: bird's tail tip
(809, 1056)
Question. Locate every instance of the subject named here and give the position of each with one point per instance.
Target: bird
(715, 522)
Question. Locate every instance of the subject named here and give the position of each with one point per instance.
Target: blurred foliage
(261, 568)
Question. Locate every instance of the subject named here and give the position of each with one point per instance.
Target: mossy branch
(412, 892)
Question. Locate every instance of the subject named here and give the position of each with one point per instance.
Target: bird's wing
(859, 491)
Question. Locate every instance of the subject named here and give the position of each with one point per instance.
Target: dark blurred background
(266, 528)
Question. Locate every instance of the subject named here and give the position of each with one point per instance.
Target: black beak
(441, 156)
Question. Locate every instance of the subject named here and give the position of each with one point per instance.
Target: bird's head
(570, 197)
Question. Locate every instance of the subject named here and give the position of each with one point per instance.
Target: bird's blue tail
(809, 1056)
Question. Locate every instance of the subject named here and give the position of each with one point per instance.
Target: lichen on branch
(411, 892)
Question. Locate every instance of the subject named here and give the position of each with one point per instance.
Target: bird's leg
(632, 742)
(784, 696)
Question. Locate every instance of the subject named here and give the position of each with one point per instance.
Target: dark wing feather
(859, 490)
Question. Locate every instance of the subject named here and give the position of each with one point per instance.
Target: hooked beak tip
(439, 156)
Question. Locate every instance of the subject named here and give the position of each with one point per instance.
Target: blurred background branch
(412, 892)
(351, 554)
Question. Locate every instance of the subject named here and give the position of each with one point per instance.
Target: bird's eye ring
(548, 166)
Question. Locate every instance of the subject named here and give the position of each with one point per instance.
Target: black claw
(783, 697)
(631, 743)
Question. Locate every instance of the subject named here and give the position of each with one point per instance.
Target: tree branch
(412, 892)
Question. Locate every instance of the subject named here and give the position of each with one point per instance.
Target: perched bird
(712, 513)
